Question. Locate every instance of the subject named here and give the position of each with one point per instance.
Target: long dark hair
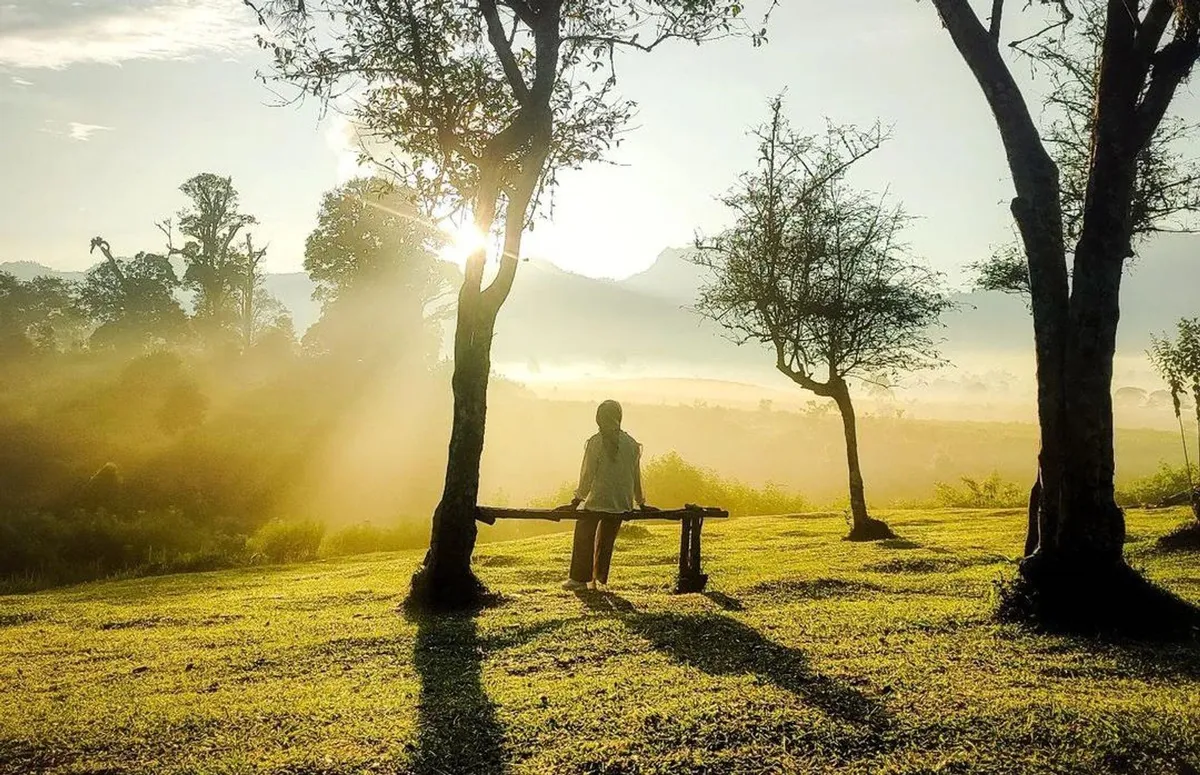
(608, 419)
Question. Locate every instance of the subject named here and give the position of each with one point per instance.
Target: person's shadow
(718, 644)
(457, 729)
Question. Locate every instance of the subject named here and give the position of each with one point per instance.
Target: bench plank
(489, 514)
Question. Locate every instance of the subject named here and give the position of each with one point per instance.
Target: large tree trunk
(1074, 575)
(1089, 531)
(862, 526)
(445, 580)
(447, 572)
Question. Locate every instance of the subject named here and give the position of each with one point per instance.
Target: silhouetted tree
(212, 224)
(817, 272)
(1166, 190)
(39, 315)
(484, 103)
(258, 311)
(132, 301)
(1178, 363)
(382, 289)
(1075, 573)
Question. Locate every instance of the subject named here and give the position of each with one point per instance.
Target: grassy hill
(808, 654)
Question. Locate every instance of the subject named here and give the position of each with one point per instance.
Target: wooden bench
(690, 518)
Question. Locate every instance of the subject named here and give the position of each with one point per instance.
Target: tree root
(1112, 600)
(432, 592)
(871, 530)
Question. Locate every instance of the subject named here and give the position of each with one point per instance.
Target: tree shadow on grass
(457, 729)
(720, 645)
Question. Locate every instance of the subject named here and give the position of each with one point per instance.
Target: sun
(464, 239)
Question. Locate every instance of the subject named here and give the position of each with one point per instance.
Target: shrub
(281, 541)
(1160, 486)
(39, 549)
(365, 538)
(670, 482)
(989, 493)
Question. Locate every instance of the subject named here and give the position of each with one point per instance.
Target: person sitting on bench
(610, 481)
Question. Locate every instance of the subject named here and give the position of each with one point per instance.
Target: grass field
(808, 654)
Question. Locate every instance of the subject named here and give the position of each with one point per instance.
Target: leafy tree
(132, 301)
(213, 271)
(484, 104)
(1166, 191)
(1074, 574)
(817, 272)
(382, 289)
(1178, 363)
(39, 315)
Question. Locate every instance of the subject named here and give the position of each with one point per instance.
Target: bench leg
(690, 577)
(685, 545)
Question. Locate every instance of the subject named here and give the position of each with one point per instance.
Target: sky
(106, 106)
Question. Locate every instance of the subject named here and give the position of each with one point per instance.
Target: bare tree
(817, 272)
(257, 308)
(1075, 575)
(484, 103)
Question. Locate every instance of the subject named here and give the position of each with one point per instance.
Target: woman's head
(608, 415)
(608, 419)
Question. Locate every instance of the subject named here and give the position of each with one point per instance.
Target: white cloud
(342, 138)
(113, 33)
(20, 82)
(84, 132)
(74, 130)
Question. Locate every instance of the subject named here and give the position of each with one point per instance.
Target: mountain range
(643, 325)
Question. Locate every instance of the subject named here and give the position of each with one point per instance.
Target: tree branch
(1171, 65)
(502, 45)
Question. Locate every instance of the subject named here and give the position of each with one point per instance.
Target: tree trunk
(862, 526)
(445, 580)
(447, 568)
(1090, 529)
(858, 500)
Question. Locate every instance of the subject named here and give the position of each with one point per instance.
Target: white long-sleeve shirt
(607, 483)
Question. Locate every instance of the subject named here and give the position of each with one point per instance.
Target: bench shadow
(720, 645)
(457, 729)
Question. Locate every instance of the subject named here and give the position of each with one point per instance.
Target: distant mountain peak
(672, 276)
(27, 270)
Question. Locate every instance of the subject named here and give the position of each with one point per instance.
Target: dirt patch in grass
(919, 565)
(1185, 538)
(498, 561)
(810, 589)
(12, 620)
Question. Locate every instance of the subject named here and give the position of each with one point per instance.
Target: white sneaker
(600, 587)
(571, 585)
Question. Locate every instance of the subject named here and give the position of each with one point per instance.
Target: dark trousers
(592, 552)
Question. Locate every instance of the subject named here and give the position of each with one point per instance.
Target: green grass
(808, 654)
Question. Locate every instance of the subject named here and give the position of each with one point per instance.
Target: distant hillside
(643, 326)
